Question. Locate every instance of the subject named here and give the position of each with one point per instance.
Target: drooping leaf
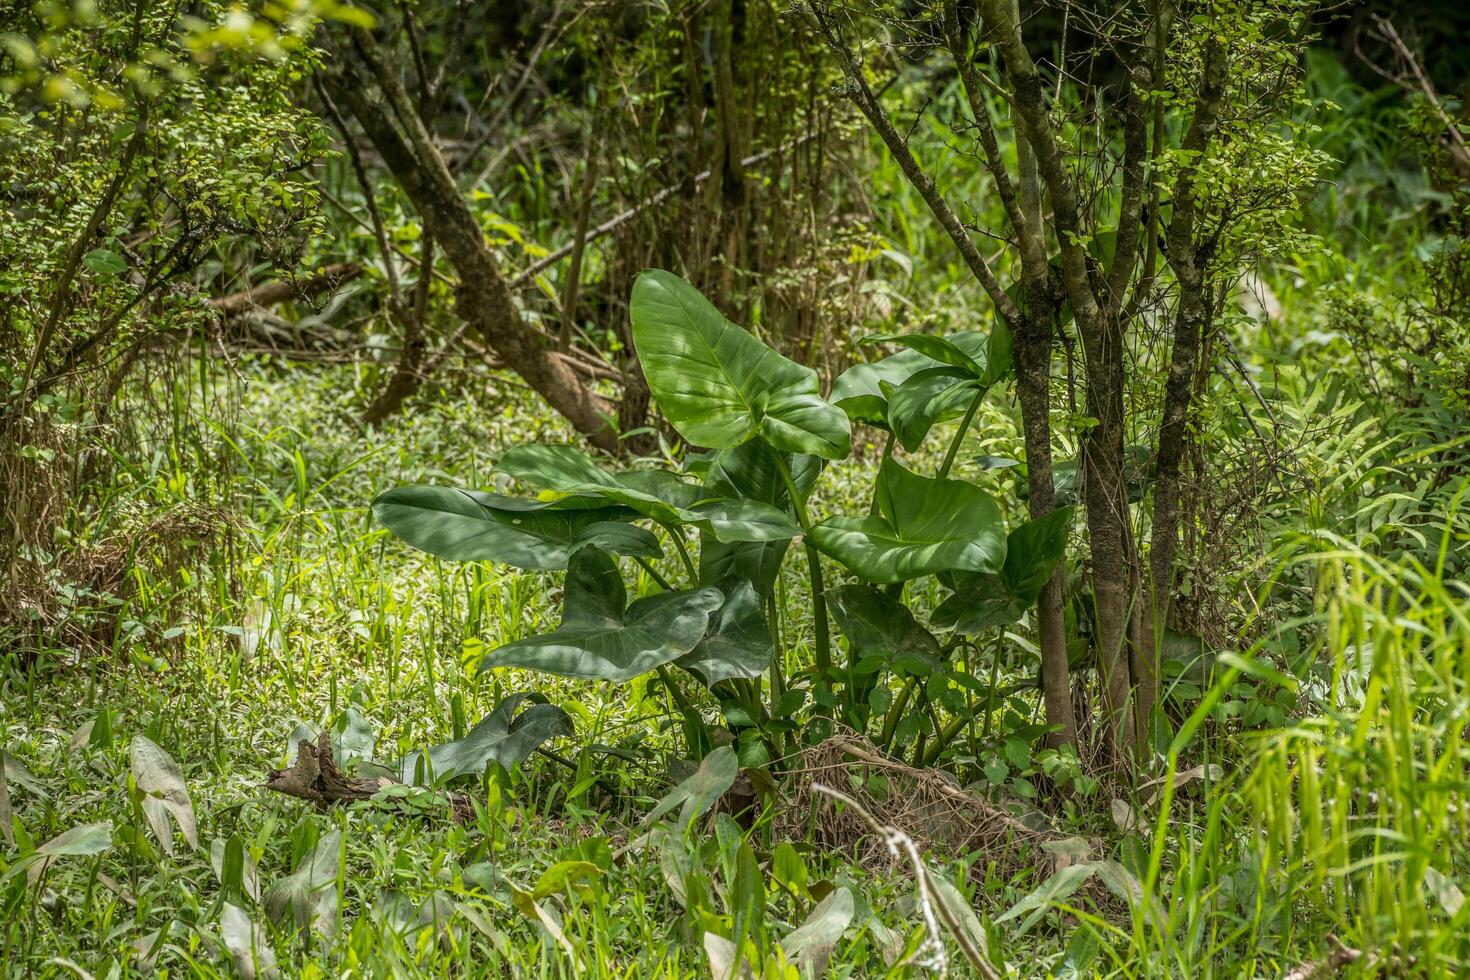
(309, 893)
(247, 944)
(469, 525)
(926, 398)
(878, 625)
(161, 786)
(738, 643)
(862, 390)
(719, 385)
(502, 737)
(702, 790)
(82, 841)
(965, 350)
(1050, 893)
(981, 602)
(922, 526)
(662, 496)
(602, 637)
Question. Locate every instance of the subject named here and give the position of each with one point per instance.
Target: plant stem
(677, 536)
(814, 563)
(959, 437)
(658, 579)
(890, 721)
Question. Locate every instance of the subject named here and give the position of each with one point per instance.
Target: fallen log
(316, 778)
(282, 290)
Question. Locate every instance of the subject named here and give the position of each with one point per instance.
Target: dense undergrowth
(225, 585)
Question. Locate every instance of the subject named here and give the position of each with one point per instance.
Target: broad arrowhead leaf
(160, 783)
(878, 625)
(603, 638)
(659, 495)
(985, 601)
(247, 943)
(860, 390)
(738, 643)
(502, 737)
(719, 385)
(81, 841)
(310, 892)
(471, 525)
(922, 526)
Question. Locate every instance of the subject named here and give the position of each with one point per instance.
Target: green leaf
(752, 471)
(981, 602)
(247, 944)
(603, 638)
(702, 790)
(809, 946)
(926, 398)
(1032, 552)
(986, 601)
(878, 625)
(921, 526)
(310, 892)
(161, 786)
(862, 390)
(470, 525)
(557, 877)
(717, 384)
(964, 350)
(659, 495)
(502, 737)
(105, 262)
(738, 643)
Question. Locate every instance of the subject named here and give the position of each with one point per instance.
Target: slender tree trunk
(483, 298)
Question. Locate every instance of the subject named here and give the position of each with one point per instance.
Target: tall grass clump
(1360, 805)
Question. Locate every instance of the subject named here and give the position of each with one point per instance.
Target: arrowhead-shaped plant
(717, 384)
(921, 526)
(602, 636)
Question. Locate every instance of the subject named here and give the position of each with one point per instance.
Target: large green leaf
(922, 526)
(471, 525)
(717, 384)
(739, 641)
(866, 391)
(662, 496)
(502, 737)
(161, 792)
(879, 628)
(602, 637)
(985, 601)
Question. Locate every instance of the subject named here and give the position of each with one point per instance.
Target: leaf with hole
(719, 385)
(602, 637)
